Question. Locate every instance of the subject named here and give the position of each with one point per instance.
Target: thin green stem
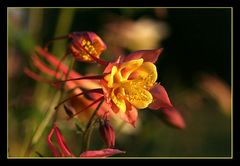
(40, 128)
(89, 128)
(50, 114)
(62, 88)
(64, 23)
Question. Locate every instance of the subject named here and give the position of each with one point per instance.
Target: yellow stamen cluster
(94, 49)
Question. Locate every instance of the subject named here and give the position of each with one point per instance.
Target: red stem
(82, 93)
(54, 39)
(81, 78)
(88, 106)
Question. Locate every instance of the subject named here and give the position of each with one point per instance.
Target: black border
(122, 3)
(108, 3)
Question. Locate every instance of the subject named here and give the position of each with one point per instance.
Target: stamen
(100, 61)
(100, 91)
(96, 101)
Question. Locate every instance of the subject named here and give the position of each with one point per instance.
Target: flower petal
(172, 117)
(101, 153)
(128, 67)
(160, 98)
(51, 145)
(65, 150)
(166, 111)
(147, 55)
(110, 77)
(90, 43)
(117, 97)
(130, 115)
(95, 39)
(146, 74)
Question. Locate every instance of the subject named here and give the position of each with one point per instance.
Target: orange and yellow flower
(126, 85)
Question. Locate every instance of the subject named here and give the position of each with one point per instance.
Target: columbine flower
(126, 85)
(130, 84)
(86, 46)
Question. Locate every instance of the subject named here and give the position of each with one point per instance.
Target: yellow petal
(147, 74)
(110, 77)
(117, 96)
(136, 95)
(128, 67)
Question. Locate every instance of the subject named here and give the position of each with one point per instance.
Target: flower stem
(50, 114)
(88, 131)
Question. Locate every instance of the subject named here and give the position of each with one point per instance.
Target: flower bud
(69, 110)
(107, 133)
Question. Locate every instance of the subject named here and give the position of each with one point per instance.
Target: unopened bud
(107, 133)
(69, 110)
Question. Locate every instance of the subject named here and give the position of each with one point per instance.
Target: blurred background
(195, 69)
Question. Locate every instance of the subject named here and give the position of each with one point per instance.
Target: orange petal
(130, 116)
(172, 117)
(160, 98)
(86, 43)
(147, 55)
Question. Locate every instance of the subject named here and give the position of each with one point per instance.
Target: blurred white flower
(144, 33)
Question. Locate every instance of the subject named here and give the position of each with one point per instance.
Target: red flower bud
(107, 133)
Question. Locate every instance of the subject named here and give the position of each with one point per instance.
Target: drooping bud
(107, 133)
(69, 110)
